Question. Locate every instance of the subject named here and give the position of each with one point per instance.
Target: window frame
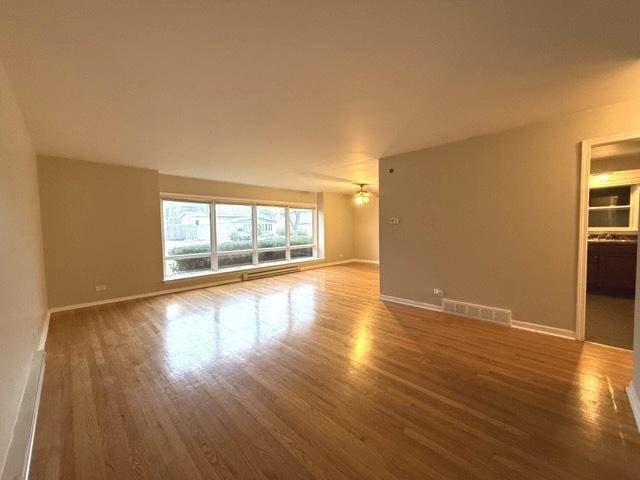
(215, 255)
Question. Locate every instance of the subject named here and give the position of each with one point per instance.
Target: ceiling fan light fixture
(362, 197)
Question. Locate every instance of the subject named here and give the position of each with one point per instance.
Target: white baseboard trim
(413, 303)
(142, 295)
(372, 262)
(635, 403)
(311, 266)
(532, 327)
(536, 327)
(18, 458)
(331, 264)
(608, 346)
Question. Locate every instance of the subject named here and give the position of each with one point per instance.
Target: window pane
(277, 256)
(187, 227)
(233, 227)
(186, 265)
(271, 226)
(300, 226)
(615, 217)
(235, 260)
(605, 197)
(301, 252)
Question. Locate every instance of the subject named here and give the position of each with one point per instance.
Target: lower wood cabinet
(611, 268)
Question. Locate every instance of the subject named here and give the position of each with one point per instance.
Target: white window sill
(244, 268)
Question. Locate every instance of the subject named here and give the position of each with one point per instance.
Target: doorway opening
(609, 221)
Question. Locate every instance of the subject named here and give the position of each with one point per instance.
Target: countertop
(600, 240)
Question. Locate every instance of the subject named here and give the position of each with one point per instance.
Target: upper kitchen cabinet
(614, 202)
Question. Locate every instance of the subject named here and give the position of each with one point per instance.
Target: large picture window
(202, 237)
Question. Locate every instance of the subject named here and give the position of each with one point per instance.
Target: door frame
(585, 169)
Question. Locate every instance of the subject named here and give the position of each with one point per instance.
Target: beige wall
(366, 231)
(22, 291)
(494, 219)
(101, 226)
(339, 223)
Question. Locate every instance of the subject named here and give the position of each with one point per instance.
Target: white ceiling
(303, 94)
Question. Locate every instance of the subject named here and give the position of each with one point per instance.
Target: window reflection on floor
(362, 343)
(596, 394)
(236, 327)
(188, 340)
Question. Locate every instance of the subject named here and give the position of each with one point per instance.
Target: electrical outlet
(101, 288)
(438, 292)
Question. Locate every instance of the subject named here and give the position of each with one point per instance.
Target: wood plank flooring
(311, 376)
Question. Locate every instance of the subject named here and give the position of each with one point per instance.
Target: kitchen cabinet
(611, 267)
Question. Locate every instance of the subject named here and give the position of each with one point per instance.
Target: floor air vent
(480, 312)
(270, 273)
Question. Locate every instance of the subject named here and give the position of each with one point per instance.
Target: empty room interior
(319, 240)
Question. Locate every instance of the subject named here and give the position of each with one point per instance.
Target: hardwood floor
(311, 376)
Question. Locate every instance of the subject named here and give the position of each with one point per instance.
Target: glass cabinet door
(610, 207)
(611, 196)
(618, 218)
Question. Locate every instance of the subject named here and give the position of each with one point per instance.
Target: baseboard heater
(19, 454)
(481, 312)
(269, 273)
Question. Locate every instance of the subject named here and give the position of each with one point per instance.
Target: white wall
(22, 290)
